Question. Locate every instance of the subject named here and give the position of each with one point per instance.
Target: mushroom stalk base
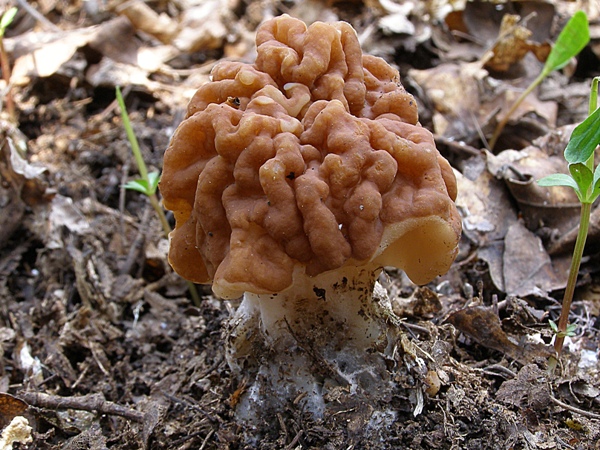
(321, 346)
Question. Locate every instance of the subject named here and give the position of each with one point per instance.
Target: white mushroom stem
(333, 309)
(327, 330)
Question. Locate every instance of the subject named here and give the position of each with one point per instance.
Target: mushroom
(293, 182)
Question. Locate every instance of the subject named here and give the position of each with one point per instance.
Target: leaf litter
(100, 338)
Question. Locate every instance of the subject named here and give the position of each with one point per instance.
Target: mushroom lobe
(308, 160)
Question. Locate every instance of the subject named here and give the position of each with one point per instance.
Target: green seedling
(585, 181)
(147, 184)
(570, 331)
(5, 21)
(571, 40)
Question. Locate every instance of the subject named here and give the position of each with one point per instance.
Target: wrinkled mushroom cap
(308, 160)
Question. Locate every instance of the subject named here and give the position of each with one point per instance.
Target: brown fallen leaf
(566, 242)
(528, 269)
(483, 19)
(528, 389)
(10, 407)
(555, 207)
(204, 26)
(483, 325)
(487, 213)
(513, 44)
(123, 60)
(145, 19)
(454, 90)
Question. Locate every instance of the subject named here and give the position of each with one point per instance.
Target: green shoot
(5, 21)
(148, 182)
(571, 40)
(579, 154)
(570, 331)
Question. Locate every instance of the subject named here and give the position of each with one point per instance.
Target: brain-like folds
(297, 162)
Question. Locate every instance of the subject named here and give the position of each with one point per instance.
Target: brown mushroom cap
(308, 160)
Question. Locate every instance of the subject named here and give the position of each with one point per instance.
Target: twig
(414, 327)
(188, 437)
(218, 361)
(457, 146)
(282, 426)
(291, 445)
(575, 409)
(205, 441)
(91, 402)
(212, 418)
(499, 370)
(37, 16)
(563, 443)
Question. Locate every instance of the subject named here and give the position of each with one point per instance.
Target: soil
(103, 347)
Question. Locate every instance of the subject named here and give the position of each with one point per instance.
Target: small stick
(38, 16)
(91, 402)
(499, 370)
(189, 404)
(575, 409)
(208, 436)
(291, 445)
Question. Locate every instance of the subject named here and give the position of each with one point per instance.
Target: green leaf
(571, 40)
(558, 179)
(153, 178)
(584, 139)
(139, 185)
(582, 176)
(135, 147)
(594, 95)
(7, 19)
(571, 329)
(553, 325)
(596, 185)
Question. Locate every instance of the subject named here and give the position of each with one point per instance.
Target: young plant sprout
(571, 40)
(5, 21)
(585, 181)
(148, 181)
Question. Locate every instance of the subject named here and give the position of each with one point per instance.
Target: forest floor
(102, 345)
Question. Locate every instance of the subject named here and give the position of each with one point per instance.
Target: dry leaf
(10, 407)
(513, 44)
(123, 60)
(483, 19)
(483, 325)
(528, 269)
(487, 212)
(484, 203)
(145, 19)
(43, 54)
(528, 389)
(555, 207)
(454, 91)
(205, 26)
